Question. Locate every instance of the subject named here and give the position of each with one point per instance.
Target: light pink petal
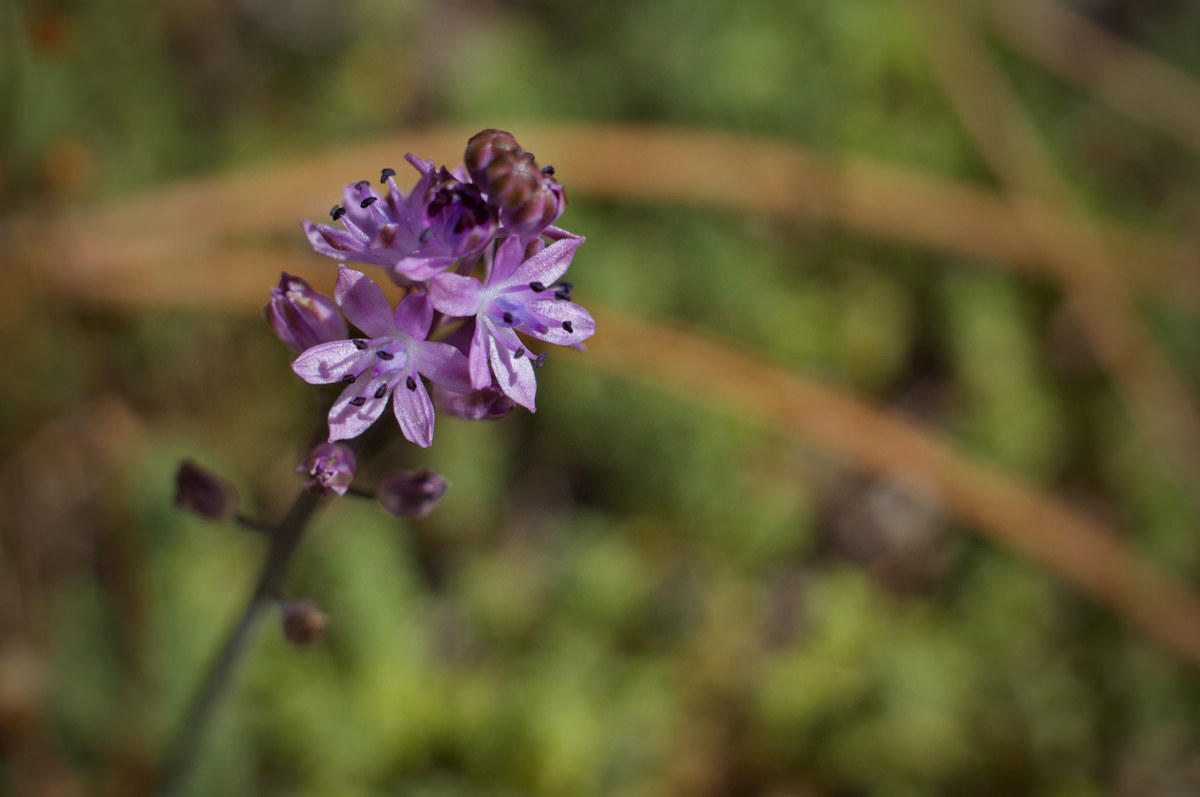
(414, 315)
(445, 366)
(477, 359)
(414, 410)
(508, 257)
(547, 265)
(455, 295)
(346, 420)
(329, 362)
(513, 374)
(554, 313)
(363, 303)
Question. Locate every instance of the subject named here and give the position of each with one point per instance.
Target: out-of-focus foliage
(629, 592)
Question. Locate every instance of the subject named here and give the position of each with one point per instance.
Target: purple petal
(332, 242)
(414, 315)
(347, 420)
(444, 365)
(414, 411)
(329, 362)
(508, 257)
(555, 313)
(455, 295)
(420, 267)
(366, 219)
(513, 374)
(477, 359)
(363, 303)
(547, 265)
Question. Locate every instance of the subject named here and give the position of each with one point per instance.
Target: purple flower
(330, 468)
(390, 361)
(519, 296)
(411, 493)
(300, 316)
(443, 218)
(203, 492)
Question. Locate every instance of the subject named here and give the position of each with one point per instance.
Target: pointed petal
(547, 265)
(445, 366)
(420, 267)
(332, 242)
(329, 362)
(477, 359)
(508, 257)
(514, 374)
(414, 411)
(455, 295)
(346, 420)
(555, 313)
(414, 315)
(363, 303)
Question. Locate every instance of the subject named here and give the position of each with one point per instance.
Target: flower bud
(303, 621)
(330, 468)
(204, 493)
(484, 147)
(459, 215)
(301, 317)
(479, 405)
(408, 493)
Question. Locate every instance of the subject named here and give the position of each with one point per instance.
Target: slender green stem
(181, 756)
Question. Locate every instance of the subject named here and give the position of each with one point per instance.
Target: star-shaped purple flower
(520, 295)
(390, 361)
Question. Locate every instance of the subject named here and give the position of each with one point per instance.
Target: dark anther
(536, 287)
(386, 173)
(425, 235)
(337, 212)
(548, 171)
(384, 355)
(410, 383)
(568, 326)
(366, 203)
(360, 344)
(518, 354)
(540, 360)
(508, 319)
(562, 296)
(358, 401)
(381, 391)
(348, 378)
(361, 184)
(566, 286)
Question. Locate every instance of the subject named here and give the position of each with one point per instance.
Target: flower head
(330, 468)
(520, 295)
(388, 363)
(411, 493)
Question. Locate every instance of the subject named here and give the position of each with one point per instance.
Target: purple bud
(480, 405)
(411, 493)
(303, 621)
(330, 469)
(484, 147)
(300, 316)
(204, 493)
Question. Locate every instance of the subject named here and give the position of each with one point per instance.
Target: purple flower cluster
(477, 251)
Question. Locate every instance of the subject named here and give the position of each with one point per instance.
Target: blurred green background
(629, 592)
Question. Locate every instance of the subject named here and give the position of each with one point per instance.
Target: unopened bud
(330, 468)
(303, 621)
(204, 493)
(301, 317)
(479, 405)
(409, 493)
(484, 147)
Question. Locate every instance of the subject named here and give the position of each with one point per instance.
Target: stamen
(348, 378)
(384, 355)
(562, 296)
(358, 401)
(548, 171)
(508, 318)
(537, 287)
(381, 391)
(361, 184)
(568, 326)
(410, 383)
(360, 344)
(566, 286)
(336, 212)
(366, 203)
(385, 174)
(540, 360)
(518, 354)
